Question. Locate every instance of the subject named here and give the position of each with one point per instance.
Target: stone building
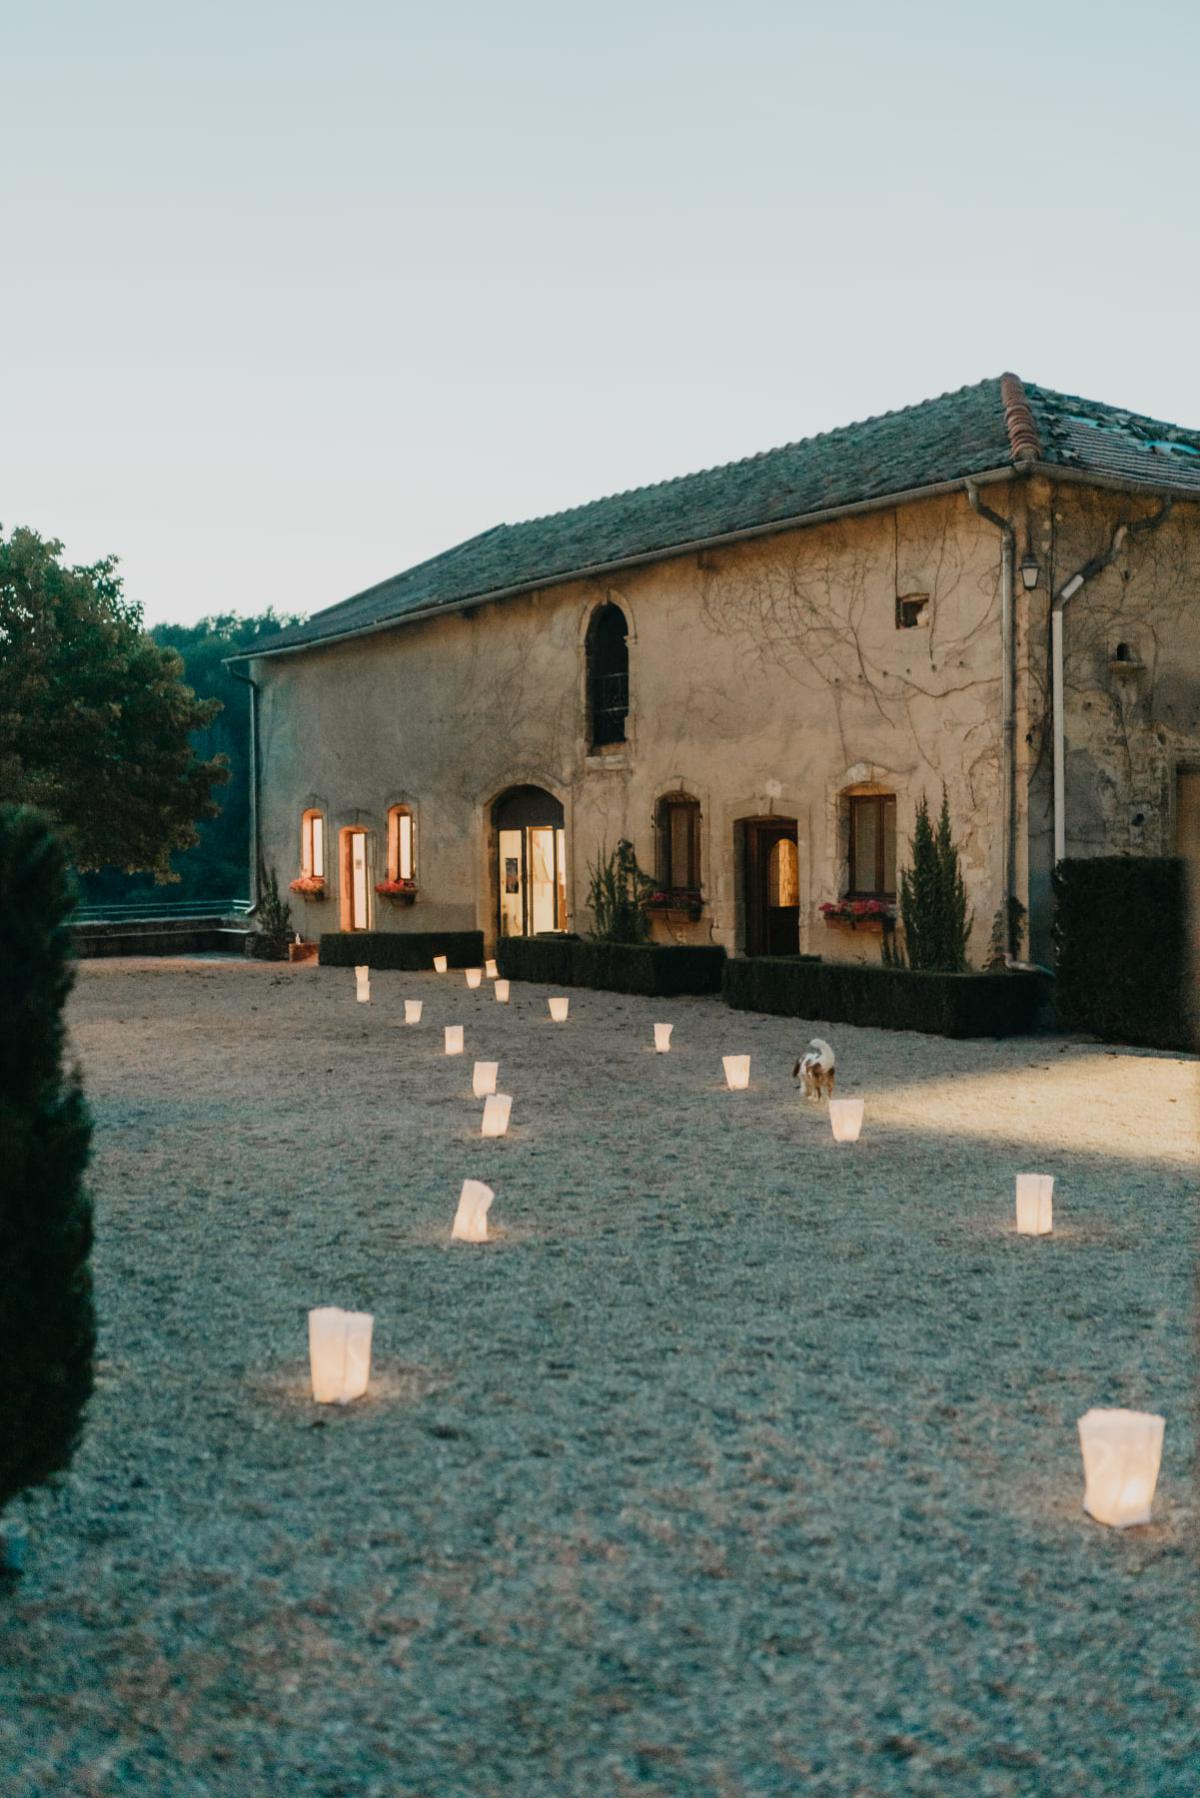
(754, 673)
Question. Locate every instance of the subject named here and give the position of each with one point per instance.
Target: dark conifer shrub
(273, 920)
(47, 1325)
(933, 899)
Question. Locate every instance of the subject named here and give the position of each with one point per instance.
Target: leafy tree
(95, 721)
(47, 1326)
(933, 899)
(217, 866)
(617, 894)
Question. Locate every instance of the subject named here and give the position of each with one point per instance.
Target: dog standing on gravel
(816, 1070)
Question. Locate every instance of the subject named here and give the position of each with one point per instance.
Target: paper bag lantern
(559, 1009)
(439, 964)
(470, 1220)
(1121, 1455)
(483, 1078)
(474, 977)
(454, 1039)
(737, 1071)
(846, 1116)
(501, 991)
(362, 977)
(496, 1108)
(1035, 1204)
(490, 969)
(339, 1353)
(412, 1011)
(662, 1037)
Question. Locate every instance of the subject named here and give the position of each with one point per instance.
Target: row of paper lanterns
(845, 1115)
(1122, 1449)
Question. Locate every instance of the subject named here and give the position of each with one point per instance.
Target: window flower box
(309, 886)
(401, 892)
(676, 902)
(859, 914)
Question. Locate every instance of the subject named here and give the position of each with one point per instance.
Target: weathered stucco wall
(1132, 678)
(765, 679)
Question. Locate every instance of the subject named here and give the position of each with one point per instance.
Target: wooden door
(772, 862)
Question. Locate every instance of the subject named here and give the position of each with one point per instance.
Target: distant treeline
(218, 867)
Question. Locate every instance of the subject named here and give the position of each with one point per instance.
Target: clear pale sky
(294, 295)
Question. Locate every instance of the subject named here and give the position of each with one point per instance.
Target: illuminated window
(873, 845)
(783, 874)
(402, 844)
(678, 843)
(312, 845)
(607, 676)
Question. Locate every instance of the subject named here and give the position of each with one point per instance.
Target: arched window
(872, 845)
(783, 874)
(607, 676)
(312, 845)
(401, 844)
(677, 830)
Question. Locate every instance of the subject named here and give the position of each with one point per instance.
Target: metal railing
(157, 911)
(609, 707)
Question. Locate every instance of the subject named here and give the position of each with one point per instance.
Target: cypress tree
(919, 888)
(933, 899)
(954, 920)
(47, 1323)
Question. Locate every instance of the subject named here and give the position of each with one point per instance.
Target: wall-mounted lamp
(1031, 572)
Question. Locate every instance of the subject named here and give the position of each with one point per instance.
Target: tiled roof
(996, 424)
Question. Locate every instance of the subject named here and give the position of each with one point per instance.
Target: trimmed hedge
(1121, 938)
(887, 998)
(654, 970)
(542, 958)
(412, 951)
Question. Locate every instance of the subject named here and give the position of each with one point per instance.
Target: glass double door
(533, 879)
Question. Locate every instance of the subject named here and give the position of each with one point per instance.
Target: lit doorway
(356, 884)
(771, 865)
(531, 862)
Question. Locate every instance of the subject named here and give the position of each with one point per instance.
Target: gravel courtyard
(741, 1463)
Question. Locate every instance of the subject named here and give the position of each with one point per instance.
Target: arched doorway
(771, 864)
(531, 862)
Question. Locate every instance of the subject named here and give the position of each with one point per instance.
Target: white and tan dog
(816, 1068)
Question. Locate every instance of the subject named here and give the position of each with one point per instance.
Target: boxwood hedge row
(652, 969)
(887, 998)
(1121, 939)
(410, 950)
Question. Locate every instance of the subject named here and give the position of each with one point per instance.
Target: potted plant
(401, 892)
